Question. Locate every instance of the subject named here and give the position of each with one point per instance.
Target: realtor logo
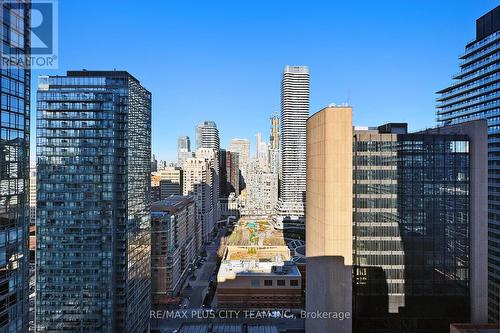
(41, 18)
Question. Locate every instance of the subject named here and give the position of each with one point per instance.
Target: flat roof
(172, 204)
(233, 268)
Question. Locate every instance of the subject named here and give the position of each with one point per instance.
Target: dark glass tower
(411, 221)
(475, 94)
(14, 167)
(93, 221)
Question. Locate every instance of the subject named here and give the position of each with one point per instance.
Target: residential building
(32, 226)
(14, 166)
(230, 173)
(262, 190)
(294, 114)
(32, 196)
(207, 135)
(274, 148)
(229, 207)
(242, 147)
(211, 155)
(93, 194)
(414, 231)
(274, 136)
(474, 94)
(174, 232)
(197, 180)
(262, 151)
(183, 149)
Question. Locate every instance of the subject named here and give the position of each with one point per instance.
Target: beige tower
(329, 219)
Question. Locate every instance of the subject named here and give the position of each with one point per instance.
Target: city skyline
(172, 164)
(235, 65)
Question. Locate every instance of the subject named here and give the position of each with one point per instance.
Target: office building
(294, 114)
(207, 135)
(418, 223)
(262, 190)
(93, 218)
(173, 245)
(474, 95)
(169, 181)
(14, 167)
(183, 150)
(329, 218)
(230, 173)
(154, 163)
(242, 147)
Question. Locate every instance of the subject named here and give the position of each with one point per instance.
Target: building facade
(262, 149)
(14, 166)
(169, 182)
(294, 114)
(413, 261)
(329, 218)
(230, 173)
(274, 135)
(197, 183)
(242, 148)
(271, 282)
(474, 94)
(207, 135)
(174, 234)
(262, 190)
(418, 213)
(93, 220)
(183, 149)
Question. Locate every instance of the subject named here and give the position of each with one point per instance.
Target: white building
(262, 151)
(207, 135)
(197, 179)
(294, 114)
(262, 191)
(32, 196)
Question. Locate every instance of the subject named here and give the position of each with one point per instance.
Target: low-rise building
(258, 277)
(174, 231)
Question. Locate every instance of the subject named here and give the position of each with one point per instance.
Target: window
(294, 283)
(268, 282)
(281, 282)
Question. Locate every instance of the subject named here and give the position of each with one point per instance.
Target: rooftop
(172, 204)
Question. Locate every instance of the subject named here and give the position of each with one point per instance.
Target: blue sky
(222, 60)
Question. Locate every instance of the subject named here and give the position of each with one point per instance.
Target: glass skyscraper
(411, 230)
(14, 166)
(475, 94)
(93, 220)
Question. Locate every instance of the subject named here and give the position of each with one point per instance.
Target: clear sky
(222, 60)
